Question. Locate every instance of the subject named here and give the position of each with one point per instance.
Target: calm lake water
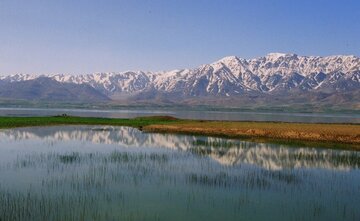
(200, 115)
(119, 173)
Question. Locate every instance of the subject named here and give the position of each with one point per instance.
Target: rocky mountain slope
(47, 89)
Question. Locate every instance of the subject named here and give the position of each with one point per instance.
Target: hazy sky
(86, 36)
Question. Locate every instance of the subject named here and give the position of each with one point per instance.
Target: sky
(87, 36)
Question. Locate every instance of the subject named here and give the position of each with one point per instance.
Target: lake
(189, 114)
(120, 173)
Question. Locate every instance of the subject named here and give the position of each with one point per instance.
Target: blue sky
(86, 36)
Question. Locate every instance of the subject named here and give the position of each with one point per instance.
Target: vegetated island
(344, 136)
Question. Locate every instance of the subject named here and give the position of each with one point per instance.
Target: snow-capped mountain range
(275, 73)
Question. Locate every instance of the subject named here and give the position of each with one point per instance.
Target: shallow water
(198, 115)
(120, 173)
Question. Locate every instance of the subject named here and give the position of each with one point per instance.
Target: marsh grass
(91, 194)
(69, 158)
(143, 185)
(339, 136)
(11, 122)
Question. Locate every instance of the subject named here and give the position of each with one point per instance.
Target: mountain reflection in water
(223, 151)
(120, 173)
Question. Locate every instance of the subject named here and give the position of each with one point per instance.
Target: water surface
(119, 173)
(187, 114)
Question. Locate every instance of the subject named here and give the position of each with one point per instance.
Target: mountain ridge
(273, 75)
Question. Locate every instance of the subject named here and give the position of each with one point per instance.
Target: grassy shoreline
(343, 136)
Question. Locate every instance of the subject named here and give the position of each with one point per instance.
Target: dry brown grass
(336, 133)
(329, 133)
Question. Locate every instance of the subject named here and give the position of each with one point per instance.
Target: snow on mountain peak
(228, 59)
(227, 76)
(276, 56)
